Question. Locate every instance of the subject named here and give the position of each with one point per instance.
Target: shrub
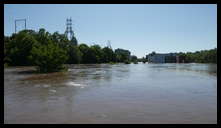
(48, 57)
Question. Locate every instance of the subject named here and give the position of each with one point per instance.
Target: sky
(140, 28)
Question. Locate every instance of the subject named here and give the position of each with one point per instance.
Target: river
(118, 93)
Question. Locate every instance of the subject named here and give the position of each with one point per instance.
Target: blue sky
(140, 28)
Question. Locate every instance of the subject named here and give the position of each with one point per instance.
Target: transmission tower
(109, 44)
(17, 20)
(69, 32)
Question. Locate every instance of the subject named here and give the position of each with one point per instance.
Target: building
(162, 58)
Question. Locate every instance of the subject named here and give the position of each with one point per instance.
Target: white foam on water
(52, 90)
(70, 70)
(99, 72)
(75, 84)
(46, 86)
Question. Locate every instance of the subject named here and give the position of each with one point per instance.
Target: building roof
(163, 54)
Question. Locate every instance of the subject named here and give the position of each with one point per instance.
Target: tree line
(203, 56)
(50, 51)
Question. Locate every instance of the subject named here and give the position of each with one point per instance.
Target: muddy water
(120, 93)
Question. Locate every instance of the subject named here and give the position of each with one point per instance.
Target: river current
(117, 93)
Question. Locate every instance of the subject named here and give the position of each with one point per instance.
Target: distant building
(162, 58)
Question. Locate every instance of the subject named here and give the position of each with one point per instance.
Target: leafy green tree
(182, 57)
(122, 55)
(20, 47)
(7, 41)
(74, 41)
(213, 55)
(61, 40)
(134, 58)
(91, 56)
(203, 56)
(43, 36)
(48, 57)
(74, 55)
(108, 55)
(97, 53)
(85, 53)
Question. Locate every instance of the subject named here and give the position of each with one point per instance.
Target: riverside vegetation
(49, 52)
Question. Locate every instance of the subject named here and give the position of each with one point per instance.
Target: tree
(6, 49)
(74, 55)
(134, 58)
(48, 57)
(74, 41)
(43, 37)
(122, 55)
(61, 40)
(108, 55)
(20, 47)
(97, 53)
(85, 53)
(203, 56)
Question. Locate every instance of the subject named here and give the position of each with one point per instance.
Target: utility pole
(17, 20)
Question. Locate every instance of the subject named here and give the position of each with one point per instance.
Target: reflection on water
(119, 93)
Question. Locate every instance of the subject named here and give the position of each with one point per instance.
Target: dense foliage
(50, 51)
(48, 57)
(122, 55)
(203, 56)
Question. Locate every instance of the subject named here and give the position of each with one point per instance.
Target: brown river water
(119, 93)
